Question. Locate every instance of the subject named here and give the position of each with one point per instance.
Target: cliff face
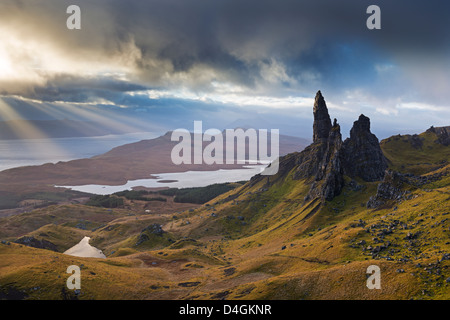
(326, 155)
(322, 121)
(443, 134)
(325, 162)
(359, 156)
(331, 171)
(362, 155)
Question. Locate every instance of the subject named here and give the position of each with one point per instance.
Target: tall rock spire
(324, 164)
(329, 179)
(322, 121)
(362, 152)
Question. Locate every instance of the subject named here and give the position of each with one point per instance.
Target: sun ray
(92, 113)
(27, 129)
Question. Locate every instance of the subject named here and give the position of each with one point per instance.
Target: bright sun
(6, 68)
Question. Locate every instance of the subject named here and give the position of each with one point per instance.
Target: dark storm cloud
(70, 88)
(231, 36)
(266, 47)
(204, 30)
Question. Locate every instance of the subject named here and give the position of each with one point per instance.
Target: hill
(308, 232)
(128, 162)
(418, 154)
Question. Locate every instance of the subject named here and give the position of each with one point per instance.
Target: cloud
(228, 54)
(170, 42)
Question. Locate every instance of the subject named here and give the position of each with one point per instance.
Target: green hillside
(260, 240)
(415, 154)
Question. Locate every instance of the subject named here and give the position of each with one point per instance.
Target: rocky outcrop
(324, 163)
(322, 121)
(388, 189)
(443, 134)
(147, 232)
(312, 161)
(35, 243)
(362, 155)
(154, 229)
(329, 178)
(320, 162)
(328, 159)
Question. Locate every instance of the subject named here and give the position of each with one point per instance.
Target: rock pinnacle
(322, 121)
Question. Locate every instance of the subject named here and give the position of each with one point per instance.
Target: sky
(256, 63)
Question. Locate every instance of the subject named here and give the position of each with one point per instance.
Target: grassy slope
(404, 157)
(70, 215)
(266, 243)
(313, 265)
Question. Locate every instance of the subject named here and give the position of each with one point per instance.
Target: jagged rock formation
(328, 159)
(325, 162)
(35, 243)
(443, 134)
(321, 161)
(362, 155)
(322, 121)
(329, 177)
(388, 189)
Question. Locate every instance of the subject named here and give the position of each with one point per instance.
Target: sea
(31, 152)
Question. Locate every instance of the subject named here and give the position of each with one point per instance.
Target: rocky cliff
(322, 121)
(443, 134)
(362, 155)
(326, 161)
(359, 156)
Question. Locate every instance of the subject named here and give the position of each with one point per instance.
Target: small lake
(85, 250)
(188, 179)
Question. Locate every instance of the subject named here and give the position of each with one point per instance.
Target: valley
(122, 164)
(308, 232)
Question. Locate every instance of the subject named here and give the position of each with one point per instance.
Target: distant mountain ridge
(132, 161)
